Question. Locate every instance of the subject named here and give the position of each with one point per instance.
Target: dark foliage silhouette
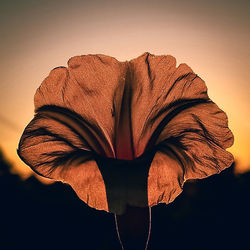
(211, 213)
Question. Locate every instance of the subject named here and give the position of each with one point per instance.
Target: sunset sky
(212, 37)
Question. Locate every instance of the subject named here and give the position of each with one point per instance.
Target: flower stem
(133, 228)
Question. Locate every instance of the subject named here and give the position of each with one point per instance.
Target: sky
(212, 37)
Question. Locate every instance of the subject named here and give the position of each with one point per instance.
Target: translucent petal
(99, 121)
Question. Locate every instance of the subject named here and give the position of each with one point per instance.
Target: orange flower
(125, 133)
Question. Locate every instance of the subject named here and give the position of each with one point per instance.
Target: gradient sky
(212, 37)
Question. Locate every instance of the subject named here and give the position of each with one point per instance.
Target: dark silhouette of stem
(133, 228)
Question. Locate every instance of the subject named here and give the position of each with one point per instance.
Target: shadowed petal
(55, 146)
(158, 88)
(90, 87)
(191, 146)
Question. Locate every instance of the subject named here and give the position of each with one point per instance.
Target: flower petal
(90, 82)
(202, 133)
(176, 116)
(53, 146)
(158, 86)
(165, 179)
(191, 146)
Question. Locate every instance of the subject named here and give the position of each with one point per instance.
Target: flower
(125, 133)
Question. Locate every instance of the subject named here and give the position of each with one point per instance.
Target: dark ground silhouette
(212, 213)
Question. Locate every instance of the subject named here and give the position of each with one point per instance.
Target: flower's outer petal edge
(192, 135)
(54, 149)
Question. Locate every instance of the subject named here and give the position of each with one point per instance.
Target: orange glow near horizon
(212, 38)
